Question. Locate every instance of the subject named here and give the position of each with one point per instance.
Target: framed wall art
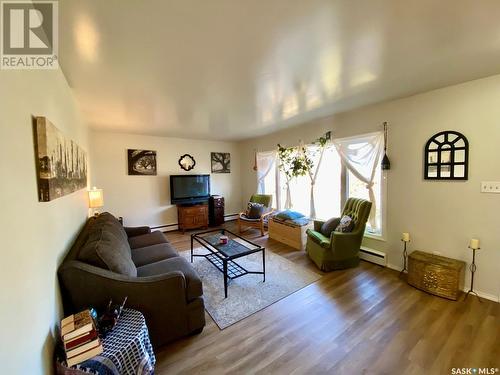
(141, 162)
(221, 162)
(61, 163)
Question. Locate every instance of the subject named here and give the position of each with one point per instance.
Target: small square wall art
(141, 162)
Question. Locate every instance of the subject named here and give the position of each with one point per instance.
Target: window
(327, 189)
(334, 184)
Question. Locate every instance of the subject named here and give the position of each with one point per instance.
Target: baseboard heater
(373, 256)
(175, 226)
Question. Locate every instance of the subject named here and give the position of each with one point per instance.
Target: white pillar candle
(474, 244)
(406, 237)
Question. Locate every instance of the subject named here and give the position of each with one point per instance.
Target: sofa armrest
(318, 224)
(84, 285)
(136, 231)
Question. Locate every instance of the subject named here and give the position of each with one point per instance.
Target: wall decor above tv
(187, 162)
(141, 162)
(61, 163)
(221, 162)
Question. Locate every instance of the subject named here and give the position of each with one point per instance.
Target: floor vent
(373, 256)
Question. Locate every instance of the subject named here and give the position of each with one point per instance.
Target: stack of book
(80, 338)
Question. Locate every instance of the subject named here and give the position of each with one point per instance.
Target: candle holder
(473, 268)
(405, 257)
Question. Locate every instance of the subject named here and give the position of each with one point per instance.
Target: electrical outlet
(490, 187)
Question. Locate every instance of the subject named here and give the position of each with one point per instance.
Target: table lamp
(96, 199)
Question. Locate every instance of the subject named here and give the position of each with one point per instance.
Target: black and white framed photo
(221, 162)
(61, 163)
(141, 162)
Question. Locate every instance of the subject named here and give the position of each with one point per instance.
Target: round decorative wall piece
(187, 162)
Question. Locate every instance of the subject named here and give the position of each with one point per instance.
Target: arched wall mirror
(446, 157)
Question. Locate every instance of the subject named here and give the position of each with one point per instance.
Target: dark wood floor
(361, 320)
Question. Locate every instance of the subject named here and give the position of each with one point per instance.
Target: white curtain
(361, 155)
(266, 163)
(314, 176)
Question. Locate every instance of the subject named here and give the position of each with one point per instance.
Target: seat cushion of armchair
(318, 238)
(148, 239)
(152, 254)
(194, 287)
(244, 217)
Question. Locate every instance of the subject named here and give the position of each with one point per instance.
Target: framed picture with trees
(221, 162)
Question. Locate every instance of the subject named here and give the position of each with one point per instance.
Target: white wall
(441, 216)
(145, 200)
(35, 235)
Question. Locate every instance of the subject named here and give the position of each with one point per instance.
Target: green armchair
(340, 250)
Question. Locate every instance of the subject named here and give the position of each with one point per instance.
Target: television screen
(189, 188)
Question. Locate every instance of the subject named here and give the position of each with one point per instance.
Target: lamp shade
(405, 237)
(96, 198)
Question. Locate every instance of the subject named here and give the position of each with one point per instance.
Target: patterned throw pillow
(254, 210)
(346, 225)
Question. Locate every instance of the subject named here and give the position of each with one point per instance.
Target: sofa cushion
(106, 250)
(329, 226)
(151, 254)
(145, 240)
(111, 224)
(194, 288)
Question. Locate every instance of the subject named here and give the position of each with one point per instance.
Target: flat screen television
(189, 188)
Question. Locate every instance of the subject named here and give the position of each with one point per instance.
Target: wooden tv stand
(192, 216)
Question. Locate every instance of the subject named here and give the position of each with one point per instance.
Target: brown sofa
(108, 261)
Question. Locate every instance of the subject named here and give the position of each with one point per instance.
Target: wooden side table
(127, 350)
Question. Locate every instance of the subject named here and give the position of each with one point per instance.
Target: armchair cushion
(244, 217)
(346, 225)
(149, 239)
(318, 238)
(193, 282)
(254, 210)
(329, 226)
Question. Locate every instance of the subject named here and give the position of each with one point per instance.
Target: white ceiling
(233, 69)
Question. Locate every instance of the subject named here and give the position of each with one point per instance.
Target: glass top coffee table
(222, 256)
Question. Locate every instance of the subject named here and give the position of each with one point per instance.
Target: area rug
(248, 294)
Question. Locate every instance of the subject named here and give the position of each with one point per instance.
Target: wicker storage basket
(436, 274)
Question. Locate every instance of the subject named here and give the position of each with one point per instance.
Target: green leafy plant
(294, 161)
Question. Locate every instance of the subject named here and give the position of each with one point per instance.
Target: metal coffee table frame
(222, 261)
